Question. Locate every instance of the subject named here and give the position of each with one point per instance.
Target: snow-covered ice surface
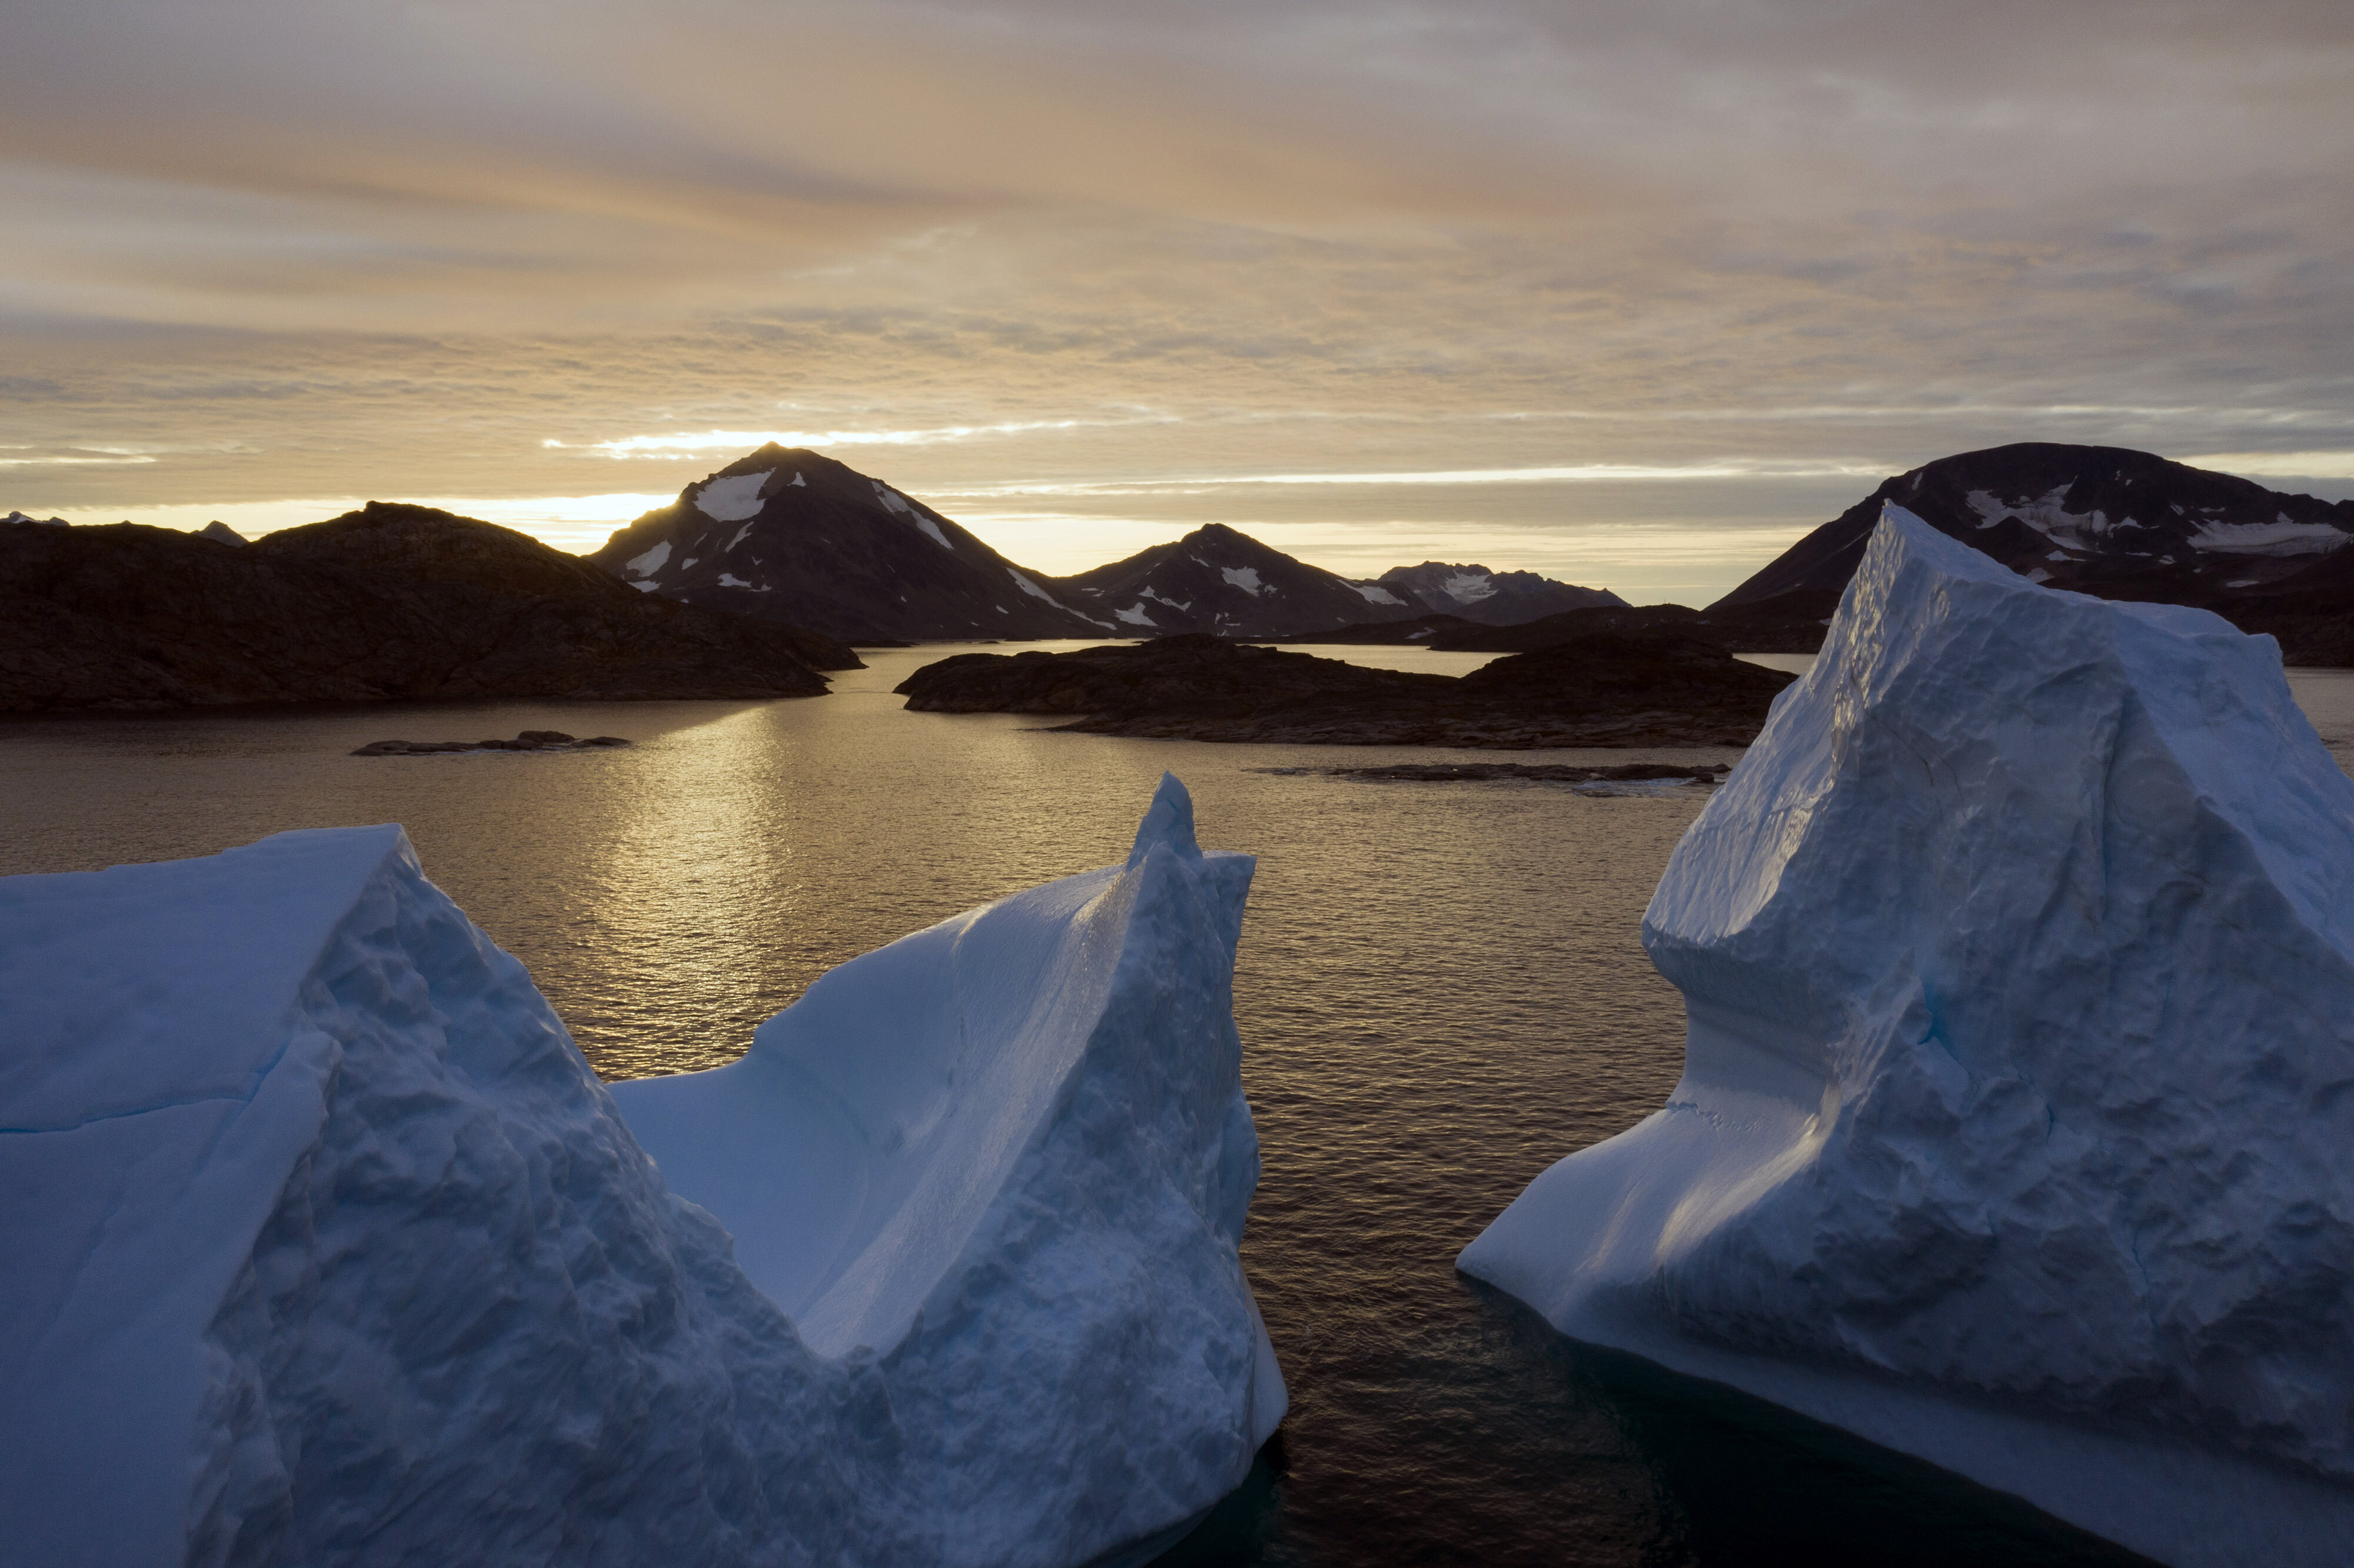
(2018, 958)
(326, 1245)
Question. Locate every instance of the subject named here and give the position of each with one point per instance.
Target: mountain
(2104, 521)
(220, 531)
(1493, 599)
(388, 601)
(787, 535)
(1217, 579)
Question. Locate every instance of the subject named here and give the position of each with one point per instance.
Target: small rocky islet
(1608, 689)
(524, 740)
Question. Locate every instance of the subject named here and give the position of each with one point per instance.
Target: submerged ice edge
(2016, 961)
(423, 1293)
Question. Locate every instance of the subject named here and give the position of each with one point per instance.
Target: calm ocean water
(1440, 993)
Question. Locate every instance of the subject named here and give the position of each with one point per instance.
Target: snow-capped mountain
(787, 535)
(2105, 521)
(1221, 580)
(1493, 599)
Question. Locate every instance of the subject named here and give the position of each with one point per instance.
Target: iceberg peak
(2017, 961)
(326, 1245)
(1169, 820)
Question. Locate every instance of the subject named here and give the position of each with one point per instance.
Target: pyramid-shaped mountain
(1219, 581)
(788, 534)
(2105, 521)
(1492, 599)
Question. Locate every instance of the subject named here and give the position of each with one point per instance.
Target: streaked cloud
(701, 443)
(1490, 270)
(2279, 465)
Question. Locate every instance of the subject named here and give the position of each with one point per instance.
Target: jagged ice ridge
(2017, 955)
(327, 1245)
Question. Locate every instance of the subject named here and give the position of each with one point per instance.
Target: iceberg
(326, 1245)
(2017, 959)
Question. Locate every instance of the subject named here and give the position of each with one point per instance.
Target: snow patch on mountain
(1135, 615)
(732, 498)
(648, 564)
(1468, 587)
(2279, 537)
(1245, 579)
(2046, 515)
(1376, 594)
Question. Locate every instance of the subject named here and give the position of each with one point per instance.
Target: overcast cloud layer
(1656, 284)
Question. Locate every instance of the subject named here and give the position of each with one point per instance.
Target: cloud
(294, 250)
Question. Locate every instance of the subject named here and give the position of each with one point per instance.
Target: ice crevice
(2018, 958)
(337, 1250)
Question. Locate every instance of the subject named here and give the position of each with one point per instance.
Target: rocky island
(1610, 689)
(389, 601)
(1791, 622)
(527, 740)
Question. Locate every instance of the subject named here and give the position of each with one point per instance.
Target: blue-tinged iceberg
(325, 1244)
(2017, 1122)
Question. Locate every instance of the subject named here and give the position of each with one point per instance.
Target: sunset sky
(1629, 293)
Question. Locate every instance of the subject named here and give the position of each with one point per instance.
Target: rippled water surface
(1440, 993)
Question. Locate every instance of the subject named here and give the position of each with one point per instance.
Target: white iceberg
(1010, 1157)
(2016, 1123)
(325, 1246)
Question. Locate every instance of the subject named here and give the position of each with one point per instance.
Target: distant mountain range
(758, 576)
(790, 535)
(2115, 524)
(1218, 580)
(1491, 599)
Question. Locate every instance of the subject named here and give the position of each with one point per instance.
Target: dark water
(1440, 993)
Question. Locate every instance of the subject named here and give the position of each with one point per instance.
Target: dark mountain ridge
(2115, 524)
(389, 601)
(791, 533)
(786, 533)
(1219, 580)
(1492, 599)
